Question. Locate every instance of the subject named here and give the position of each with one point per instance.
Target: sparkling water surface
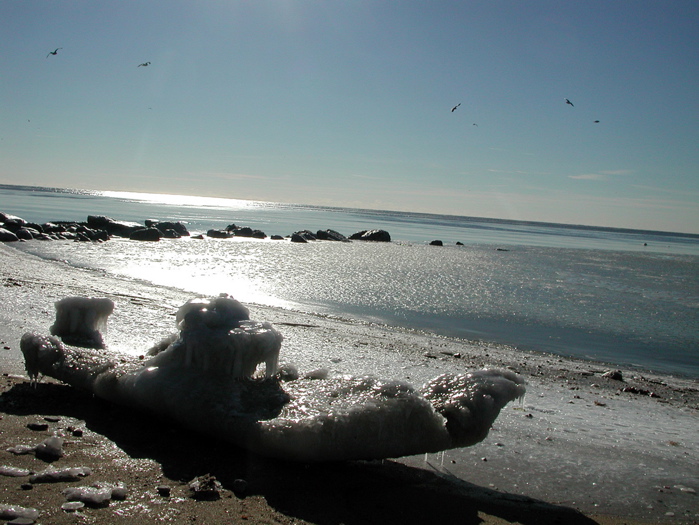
(586, 292)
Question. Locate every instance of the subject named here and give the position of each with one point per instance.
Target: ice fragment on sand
(80, 319)
(72, 506)
(52, 475)
(93, 496)
(12, 512)
(50, 449)
(14, 471)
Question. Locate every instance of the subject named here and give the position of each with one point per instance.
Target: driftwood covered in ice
(202, 378)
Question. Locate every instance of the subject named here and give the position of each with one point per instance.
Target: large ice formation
(80, 319)
(203, 378)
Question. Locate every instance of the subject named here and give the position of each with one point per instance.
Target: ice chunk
(50, 449)
(218, 336)
(80, 319)
(93, 496)
(52, 475)
(14, 471)
(13, 512)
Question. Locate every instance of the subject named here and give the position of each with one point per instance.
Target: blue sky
(349, 104)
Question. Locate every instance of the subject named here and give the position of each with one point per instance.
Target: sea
(623, 297)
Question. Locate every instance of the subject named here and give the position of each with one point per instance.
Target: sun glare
(181, 200)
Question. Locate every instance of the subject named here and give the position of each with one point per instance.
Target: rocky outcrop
(371, 235)
(330, 235)
(219, 234)
(436, 243)
(164, 226)
(303, 236)
(246, 231)
(111, 226)
(146, 234)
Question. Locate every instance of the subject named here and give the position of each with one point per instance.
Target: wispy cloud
(589, 176)
(601, 175)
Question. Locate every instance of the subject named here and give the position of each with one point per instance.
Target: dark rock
(7, 236)
(163, 490)
(372, 235)
(170, 234)
(331, 235)
(4, 217)
(303, 236)
(240, 486)
(219, 234)
(26, 234)
(258, 234)
(242, 232)
(146, 234)
(436, 243)
(459, 243)
(163, 226)
(13, 223)
(35, 226)
(50, 227)
(111, 226)
(277, 238)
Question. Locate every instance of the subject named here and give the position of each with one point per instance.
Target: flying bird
(145, 64)
(596, 121)
(454, 108)
(569, 102)
(475, 124)
(54, 52)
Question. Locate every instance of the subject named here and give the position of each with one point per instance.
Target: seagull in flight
(145, 64)
(569, 102)
(596, 121)
(454, 108)
(54, 52)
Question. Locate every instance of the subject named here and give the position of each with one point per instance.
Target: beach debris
(205, 487)
(49, 450)
(14, 512)
(640, 391)
(52, 475)
(14, 472)
(616, 375)
(54, 52)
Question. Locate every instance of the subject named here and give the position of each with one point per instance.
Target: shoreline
(535, 467)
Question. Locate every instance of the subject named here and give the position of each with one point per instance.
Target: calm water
(588, 292)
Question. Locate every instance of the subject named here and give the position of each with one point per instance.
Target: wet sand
(578, 450)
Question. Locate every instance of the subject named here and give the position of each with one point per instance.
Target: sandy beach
(582, 447)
